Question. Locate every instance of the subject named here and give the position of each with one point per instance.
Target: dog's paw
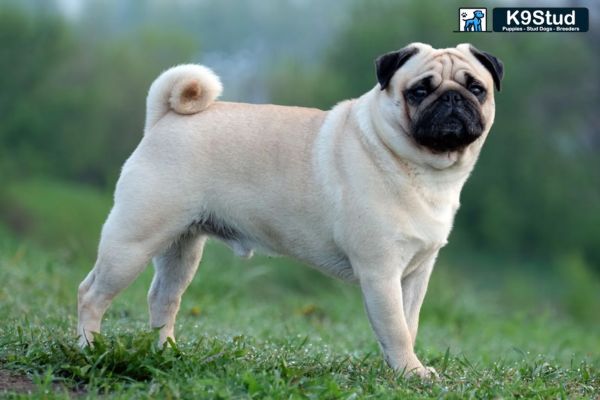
(84, 341)
(430, 373)
(422, 372)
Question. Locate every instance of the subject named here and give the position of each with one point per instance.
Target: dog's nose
(452, 97)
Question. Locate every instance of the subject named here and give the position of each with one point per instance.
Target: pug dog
(366, 191)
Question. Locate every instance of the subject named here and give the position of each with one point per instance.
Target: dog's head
(442, 99)
(478, 14)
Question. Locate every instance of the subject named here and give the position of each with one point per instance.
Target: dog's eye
(419, 92)
(476, 89)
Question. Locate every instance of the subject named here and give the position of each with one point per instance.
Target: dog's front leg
(383, 302)
(414, 287)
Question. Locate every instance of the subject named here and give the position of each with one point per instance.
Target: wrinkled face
(445, 105)
(443, 99)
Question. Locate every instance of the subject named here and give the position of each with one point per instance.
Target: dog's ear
(491, 63)
(389, 63)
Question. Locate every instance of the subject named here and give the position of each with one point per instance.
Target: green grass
(270, 328)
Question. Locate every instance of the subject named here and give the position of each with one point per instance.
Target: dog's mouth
(451, 134)
(453, 126)
(443, 129)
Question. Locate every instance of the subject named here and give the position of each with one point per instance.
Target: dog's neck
(400, 155)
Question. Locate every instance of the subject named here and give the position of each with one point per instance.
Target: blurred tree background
(74, 75)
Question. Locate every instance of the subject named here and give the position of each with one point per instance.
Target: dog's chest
(423, 234)
(435, 221)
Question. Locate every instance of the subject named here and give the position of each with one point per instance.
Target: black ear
(491, 63)
(389, 63)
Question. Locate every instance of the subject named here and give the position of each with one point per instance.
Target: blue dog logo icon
(473, 24)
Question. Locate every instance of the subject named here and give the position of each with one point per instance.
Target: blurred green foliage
(73, 106)
(72, 101)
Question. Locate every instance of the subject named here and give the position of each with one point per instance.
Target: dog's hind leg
(126, 246)
(174, 271)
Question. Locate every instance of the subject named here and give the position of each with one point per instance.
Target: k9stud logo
(555, 19)
(472, 20)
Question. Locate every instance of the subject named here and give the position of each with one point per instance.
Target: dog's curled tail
(185, 89)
